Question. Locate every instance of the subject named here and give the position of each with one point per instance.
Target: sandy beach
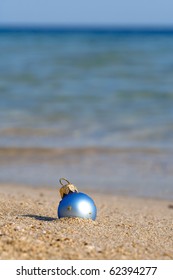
(125, 228)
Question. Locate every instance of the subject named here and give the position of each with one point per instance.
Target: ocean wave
(13, 151)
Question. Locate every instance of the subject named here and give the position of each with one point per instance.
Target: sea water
(95, 107)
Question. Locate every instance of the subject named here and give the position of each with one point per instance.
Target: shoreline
(125, 228)
(122, 171)
(12, 187)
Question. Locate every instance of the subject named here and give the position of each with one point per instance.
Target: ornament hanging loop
(66, 188)
(64, 179)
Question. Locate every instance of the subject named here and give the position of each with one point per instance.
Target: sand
(125, 228)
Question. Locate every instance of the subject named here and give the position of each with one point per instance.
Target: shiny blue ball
(77, 204)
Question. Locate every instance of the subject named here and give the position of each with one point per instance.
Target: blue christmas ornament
(74, 203)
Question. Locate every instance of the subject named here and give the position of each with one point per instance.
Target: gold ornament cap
(66, 188)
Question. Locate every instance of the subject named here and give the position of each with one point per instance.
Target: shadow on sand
(40, 218)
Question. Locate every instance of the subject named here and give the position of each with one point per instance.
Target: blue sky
(90, 12)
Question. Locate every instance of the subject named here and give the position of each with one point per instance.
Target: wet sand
(125, 228)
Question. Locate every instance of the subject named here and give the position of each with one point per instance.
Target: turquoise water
(95, 107)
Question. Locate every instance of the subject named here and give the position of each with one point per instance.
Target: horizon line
(86, 28)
